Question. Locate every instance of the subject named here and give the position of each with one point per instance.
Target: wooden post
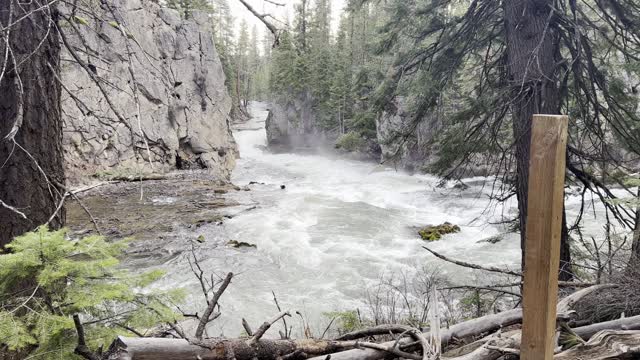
(542, 246)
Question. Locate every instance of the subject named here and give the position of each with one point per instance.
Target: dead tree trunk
(630, 323)
(634, 258)
(606, 345)
(31, 157)
(221, 349)
(532, 50)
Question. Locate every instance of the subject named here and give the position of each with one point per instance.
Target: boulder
(240, 244)
(435, 232)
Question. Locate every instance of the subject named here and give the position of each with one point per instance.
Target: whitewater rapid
(336, 228)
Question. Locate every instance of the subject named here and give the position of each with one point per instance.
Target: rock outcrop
(402, 144)
(144, 86)
(291, 124)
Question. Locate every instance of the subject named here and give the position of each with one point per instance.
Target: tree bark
(634, 258)
(532, 51)
(630, 323)
(220, 349)
(606, 345)
(30, 105)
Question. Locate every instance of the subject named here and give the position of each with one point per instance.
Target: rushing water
(335, 229)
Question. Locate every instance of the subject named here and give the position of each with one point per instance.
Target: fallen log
(219, 349)
(493, 348)
(567, 303)
(606, 345)
(348, 349)
(471, 328)
(630, 323)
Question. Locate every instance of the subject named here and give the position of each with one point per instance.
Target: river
(336, 228)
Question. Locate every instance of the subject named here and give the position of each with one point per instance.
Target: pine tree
(69, 280)
(242, 64)
(258, 70)
(301, 25)
(283, 80)
(486, 66)
(186, 7)
(340, 91)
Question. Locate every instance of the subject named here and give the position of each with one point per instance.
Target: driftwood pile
(491, 337)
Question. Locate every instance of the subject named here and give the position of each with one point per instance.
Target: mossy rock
(435, 232)
(240, 244)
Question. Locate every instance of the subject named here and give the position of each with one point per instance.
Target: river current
(336, 228)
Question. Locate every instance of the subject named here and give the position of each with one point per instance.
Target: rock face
(291, 124)
(162, 97)
(401, 145)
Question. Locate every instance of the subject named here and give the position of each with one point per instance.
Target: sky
(280, 12)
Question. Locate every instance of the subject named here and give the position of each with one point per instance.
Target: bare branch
(275, 3)
(265, 326)
(284, 320)
(13, 209)
(263, 18)
(246, 327)
(82, 349)
(390, 349)
(473, 266)
(205, 319)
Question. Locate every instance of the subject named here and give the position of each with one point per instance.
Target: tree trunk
(606, 345)
(630, 323)
(303, 26)
(532, 50)
(632, 265)
(566, 272)
(30, 104)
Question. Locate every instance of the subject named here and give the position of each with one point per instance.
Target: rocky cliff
(143, 88)
(291, 124)
(403, 145)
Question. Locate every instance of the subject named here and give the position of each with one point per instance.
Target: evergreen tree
(258, 68)
(186, 7)
(73, 284)
(340, 97)
(283, 80)
(487, 66)
(300, 25)
(242, 64)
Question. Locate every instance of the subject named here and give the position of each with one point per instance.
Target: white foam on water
(337, 226)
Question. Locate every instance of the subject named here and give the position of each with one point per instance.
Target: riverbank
(157, 214)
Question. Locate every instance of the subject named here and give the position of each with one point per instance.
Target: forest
(319, 179)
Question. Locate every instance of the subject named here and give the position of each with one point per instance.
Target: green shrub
(46, 279)
(345, 321)
(350, 141)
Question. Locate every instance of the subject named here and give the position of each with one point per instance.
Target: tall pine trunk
(33, 172)
(532, 50)
(634, 258)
